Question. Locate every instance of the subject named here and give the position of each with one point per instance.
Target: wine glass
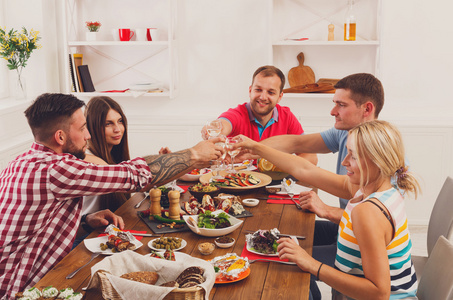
(229, 142)
(213, 128)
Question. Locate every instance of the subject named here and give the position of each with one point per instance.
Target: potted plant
(93, 28)
(16, 48)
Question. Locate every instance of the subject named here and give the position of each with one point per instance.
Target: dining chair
(440, 223)
(437, 279)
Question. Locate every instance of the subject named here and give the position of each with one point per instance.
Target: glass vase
(20, 87)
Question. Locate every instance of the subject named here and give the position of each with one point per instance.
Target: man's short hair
(51, 112)
(268, 71)
(364, 87)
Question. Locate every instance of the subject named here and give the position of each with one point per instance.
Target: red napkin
(251, 255)
(139, 238)
(277, 199)
(184, 187)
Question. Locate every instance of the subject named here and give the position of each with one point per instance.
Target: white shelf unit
(297, 19)
(116, 65)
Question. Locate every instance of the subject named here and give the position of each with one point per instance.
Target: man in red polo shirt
(263, 116)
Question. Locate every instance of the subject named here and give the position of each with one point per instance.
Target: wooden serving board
(301, 74)
(311, 88)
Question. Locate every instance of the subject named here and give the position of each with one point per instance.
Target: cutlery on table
(291, 194)
(140, 203)
(93, 256)
(270, 260)
(145, 234)
(300, 237)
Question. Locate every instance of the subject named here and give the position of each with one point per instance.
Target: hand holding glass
(229, 147)
(214, 128)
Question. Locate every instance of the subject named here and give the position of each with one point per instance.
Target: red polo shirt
(244, 122)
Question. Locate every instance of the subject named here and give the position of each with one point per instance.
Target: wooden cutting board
(301, 74)
(311, 88)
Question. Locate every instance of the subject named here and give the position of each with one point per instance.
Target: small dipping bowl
(224, 245)
(206, 248)
(250, 202)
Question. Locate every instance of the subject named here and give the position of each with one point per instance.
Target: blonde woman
(374, 248)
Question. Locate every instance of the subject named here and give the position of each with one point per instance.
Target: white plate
(94, 245)
(256, 252)
(224, 245)
(178, 256)
(150, 244)
(297, 189)
(250, 167)
(235, 224)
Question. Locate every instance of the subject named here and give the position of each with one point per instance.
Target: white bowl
(235, 224)
(224, 245)
(251, 202)
(192, 177)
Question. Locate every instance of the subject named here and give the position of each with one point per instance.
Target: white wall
(222, 42)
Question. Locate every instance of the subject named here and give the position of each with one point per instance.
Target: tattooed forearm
(167, 167)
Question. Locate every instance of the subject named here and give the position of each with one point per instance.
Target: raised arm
(291, 143)
(300, 168)
(170, 166)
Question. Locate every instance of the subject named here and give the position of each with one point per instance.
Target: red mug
(125, 34)
(150, 33)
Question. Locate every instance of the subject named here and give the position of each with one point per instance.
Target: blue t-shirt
(336, 140)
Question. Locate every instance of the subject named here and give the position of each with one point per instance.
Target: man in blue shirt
(358, 98)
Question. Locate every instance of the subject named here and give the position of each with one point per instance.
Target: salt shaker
(174, 209)
(155, 208)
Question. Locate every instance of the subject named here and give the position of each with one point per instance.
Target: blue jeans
(324, 250)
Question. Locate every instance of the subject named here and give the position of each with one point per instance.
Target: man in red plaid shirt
(41, 190)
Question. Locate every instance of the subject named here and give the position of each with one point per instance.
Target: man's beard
(71, 148)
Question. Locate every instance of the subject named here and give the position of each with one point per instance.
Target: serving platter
(221, 280)
(153, 226)
(264, 180)
(150, 245)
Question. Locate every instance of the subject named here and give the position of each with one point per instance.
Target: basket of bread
(130, 275)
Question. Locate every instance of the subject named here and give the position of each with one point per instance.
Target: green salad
(208, 220)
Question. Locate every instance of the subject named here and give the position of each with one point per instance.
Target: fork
(270, 260)
(291, 194)
(140, 203)
(93, 256)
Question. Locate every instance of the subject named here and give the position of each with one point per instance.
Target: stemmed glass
(213, 129)
(229, 142)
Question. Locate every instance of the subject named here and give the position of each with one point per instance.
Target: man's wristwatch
(85, 225)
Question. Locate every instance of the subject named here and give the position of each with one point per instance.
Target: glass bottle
(350, 23)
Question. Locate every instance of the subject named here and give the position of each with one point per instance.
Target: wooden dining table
(267, 280)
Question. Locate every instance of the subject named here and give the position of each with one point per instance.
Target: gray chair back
(441, 219)
(437, 279)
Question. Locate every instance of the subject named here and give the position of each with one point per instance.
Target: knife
(272, 198)
(145, 234)
(300, 237)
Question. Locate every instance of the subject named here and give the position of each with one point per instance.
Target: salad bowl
(235, 224)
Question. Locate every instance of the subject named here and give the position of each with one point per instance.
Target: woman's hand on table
(290, 250)
(103, 218)
(310, 201)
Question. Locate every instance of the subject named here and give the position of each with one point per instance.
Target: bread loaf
(142, 276)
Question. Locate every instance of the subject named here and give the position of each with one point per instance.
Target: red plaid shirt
(40, 205)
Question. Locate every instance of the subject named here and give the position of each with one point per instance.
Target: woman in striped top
(374, 247)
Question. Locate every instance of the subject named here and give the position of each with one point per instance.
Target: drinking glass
(228, 145)
(214, 128)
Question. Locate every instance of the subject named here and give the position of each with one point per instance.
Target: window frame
(4, 74)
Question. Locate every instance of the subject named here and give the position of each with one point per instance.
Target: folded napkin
(184, 188)
(138, 238)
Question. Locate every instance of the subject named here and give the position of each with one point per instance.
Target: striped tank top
(402, 272)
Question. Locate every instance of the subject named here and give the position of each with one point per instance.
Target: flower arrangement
(93, 26)
(16, 47)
